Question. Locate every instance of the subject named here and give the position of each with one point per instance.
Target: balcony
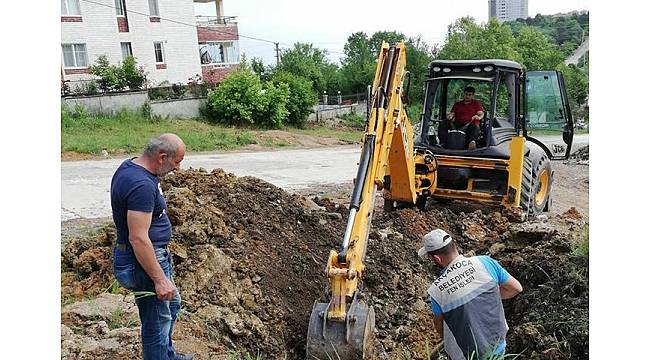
(202, 20)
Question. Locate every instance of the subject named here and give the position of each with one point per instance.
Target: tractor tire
(536, 185)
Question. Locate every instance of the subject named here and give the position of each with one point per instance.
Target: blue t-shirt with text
(135, 188)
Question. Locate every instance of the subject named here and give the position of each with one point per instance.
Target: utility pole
(277, 54)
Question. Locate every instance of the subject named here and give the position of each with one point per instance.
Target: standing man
(466, 299)
(466, 113)
(141, 261)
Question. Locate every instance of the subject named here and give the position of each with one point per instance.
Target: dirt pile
(250, 259)
(580, 157)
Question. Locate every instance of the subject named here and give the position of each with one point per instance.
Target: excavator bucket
(341, 340)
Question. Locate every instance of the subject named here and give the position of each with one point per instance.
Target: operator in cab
(466, 299)
(465, 115)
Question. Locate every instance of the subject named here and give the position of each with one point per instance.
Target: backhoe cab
(527, 122)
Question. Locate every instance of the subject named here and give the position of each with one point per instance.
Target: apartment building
(508, 10)
(165, 37)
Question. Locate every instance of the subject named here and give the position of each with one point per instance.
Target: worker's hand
(165, 289)
(476, 117)
(450, 116)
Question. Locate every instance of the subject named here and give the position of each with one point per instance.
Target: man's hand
(138, 223)
(165, 289)
(450, 116)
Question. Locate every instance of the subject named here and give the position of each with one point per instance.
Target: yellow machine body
(342, 328)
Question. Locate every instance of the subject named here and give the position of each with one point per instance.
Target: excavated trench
(249, 262)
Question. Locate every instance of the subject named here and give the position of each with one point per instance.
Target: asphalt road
(85, 184)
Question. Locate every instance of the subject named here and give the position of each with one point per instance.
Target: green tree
(118, 77)
(109, 77)
(418, 57)
(467, 40)
(132, 75)
(391, 37)
(358, 65)
(537, 51)
(264, 72)
(307, 61)
(301, 98)
(576, 83)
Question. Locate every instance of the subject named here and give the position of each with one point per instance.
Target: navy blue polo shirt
(135, 188)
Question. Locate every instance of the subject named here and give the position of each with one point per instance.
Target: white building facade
(162, 36)
(508, 10)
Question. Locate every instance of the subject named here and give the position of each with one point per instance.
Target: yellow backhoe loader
(510, 166)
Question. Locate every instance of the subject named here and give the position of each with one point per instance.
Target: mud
(250, 258)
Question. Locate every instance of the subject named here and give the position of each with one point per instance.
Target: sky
(327, 25)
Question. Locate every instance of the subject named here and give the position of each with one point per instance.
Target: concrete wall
(184, 108)
(330, 112)
(180, 109)
(107, 104)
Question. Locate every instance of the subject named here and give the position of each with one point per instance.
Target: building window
(74, 55)
(126, 50)
(158, 51)
(70, 8)
(119, 7)
(153, 8)
(218, 52)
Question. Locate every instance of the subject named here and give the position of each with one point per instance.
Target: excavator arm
(343, 328)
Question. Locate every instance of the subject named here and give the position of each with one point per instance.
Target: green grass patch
(582, 245)
(354, 120)
(128, 132)
(343, 134)
(121, 319)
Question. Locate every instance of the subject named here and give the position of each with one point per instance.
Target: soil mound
(250, 258)
(580, 157)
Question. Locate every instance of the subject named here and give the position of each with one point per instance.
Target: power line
(275, 43)
(182, 23)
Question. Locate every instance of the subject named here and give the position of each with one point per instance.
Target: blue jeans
(157, 317)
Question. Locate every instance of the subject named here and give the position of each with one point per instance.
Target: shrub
(118, 77)
(301, 98)
(353, 119)
(87, 88)
(146, 110)
(132, 76)
(241, 99)
(275, 98)
(108, 74)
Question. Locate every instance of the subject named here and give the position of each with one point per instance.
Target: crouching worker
(466, 299)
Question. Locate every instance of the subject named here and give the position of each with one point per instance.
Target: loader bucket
(341, 340)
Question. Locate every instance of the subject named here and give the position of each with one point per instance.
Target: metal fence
(338, 99)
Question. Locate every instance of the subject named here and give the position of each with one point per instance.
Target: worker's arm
(437, 323)
(510, 288)
(478, 116)
(138, 223)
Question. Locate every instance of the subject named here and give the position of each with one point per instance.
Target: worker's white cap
(436, 239)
